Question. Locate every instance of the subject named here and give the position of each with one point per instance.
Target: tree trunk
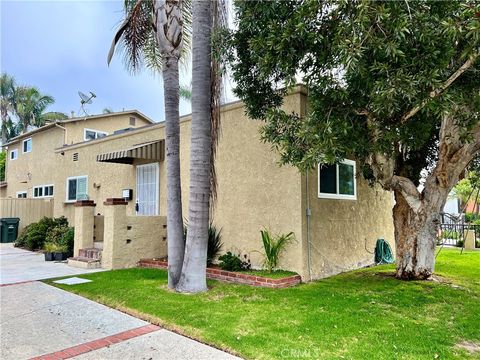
(193, 278)
(175, 241)
(415, 238)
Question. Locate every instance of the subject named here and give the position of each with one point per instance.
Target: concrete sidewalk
(18, 265)
(44, 322)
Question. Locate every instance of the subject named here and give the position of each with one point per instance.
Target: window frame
(23, 145)
(337, 195)
(67, 200)
(43, 191)
(23, 193)
(14, 151)
(96, 134)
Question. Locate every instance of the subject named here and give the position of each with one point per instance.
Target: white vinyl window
(27, 145)
(337, 181)
(89, 134)
(14, 154)
(77, 188)
(21, 194)
(42, 191)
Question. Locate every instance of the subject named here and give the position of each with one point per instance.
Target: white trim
(337, 173)
(96, 133)
(157, 186)
(21, 192)
(66, 186)
(43, 191)
(14, 151)
(23, 145)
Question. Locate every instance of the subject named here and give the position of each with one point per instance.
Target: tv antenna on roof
(85, 99)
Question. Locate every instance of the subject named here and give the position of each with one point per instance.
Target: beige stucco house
(336, 216)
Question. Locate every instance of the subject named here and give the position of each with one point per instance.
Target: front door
(147, 189)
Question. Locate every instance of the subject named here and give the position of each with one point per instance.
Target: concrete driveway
(18, 265)
(43, 322)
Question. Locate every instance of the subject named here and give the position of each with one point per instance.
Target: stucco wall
(254, 192)
(35, 168)
(127, 239)
(342, 230)
(75, 130)
(105, 180)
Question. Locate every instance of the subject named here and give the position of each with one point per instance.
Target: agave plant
(273, 246)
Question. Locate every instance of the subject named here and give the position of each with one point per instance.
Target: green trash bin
(9, 229)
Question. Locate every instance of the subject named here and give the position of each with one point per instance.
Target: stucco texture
(343, 233)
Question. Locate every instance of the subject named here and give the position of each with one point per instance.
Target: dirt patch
(469, 346)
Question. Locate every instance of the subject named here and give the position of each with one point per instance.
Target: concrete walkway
(43, 322)
(18, 265)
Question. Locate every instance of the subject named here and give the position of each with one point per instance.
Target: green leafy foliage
(233, 262)
(366, 65)
(214, 243)
(63, 236)
(34, 235)
(3, 158)
(273, 246)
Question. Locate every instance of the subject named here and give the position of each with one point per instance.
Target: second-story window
(14, 154)
(27, 145)
(90, 134)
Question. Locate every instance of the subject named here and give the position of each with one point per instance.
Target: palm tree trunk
(175, 242)
(193, 278)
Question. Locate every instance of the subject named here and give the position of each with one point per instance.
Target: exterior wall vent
(75, 156)
(132, 121)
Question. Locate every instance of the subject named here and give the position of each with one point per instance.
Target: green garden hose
(383, 252)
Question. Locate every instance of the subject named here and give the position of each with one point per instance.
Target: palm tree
(30, 107)
(7, 101)
(158, 41)
(193, 278)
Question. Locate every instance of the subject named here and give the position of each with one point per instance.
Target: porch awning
(154, 151)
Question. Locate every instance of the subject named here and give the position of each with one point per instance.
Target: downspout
(308, 214)
(64, 133)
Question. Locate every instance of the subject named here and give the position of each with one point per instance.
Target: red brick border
(98, 344)
(115, 201)
(233, 277)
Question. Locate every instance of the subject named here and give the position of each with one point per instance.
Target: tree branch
(434, 93)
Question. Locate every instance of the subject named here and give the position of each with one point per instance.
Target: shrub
(63, 236)
(470, 217)
(273, 247)
(34, 235)
(214, 243)
(54, 248)
(233, 262)
(459, 243)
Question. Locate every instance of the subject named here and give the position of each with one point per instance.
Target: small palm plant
(214, 243)
(273, 247)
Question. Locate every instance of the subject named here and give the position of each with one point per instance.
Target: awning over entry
(153, 151)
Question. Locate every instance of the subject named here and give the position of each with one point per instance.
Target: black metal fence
(454, 234)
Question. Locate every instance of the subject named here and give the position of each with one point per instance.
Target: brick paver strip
(98, 344)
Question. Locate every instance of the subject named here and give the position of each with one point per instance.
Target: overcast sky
(61, 47)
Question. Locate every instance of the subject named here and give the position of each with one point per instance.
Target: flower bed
(233, 277)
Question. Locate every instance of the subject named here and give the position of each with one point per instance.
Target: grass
(363, 314)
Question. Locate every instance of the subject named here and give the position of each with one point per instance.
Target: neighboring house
(335, 215)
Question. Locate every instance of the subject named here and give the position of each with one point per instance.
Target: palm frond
(220, 21)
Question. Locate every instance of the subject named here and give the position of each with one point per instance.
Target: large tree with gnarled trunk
(396, 84)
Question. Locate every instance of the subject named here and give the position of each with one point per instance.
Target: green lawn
(364, 314)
